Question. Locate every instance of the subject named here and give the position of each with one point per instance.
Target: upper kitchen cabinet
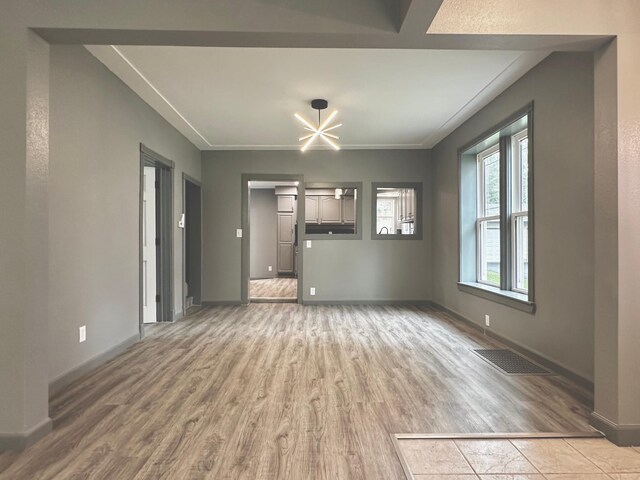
(349, 209)
(312, 209)
(396, 211)
(286, 203)
(332, 211)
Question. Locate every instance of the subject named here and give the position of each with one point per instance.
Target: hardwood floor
(284, 391)
(281, 287)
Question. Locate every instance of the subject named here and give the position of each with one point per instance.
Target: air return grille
(511, 363)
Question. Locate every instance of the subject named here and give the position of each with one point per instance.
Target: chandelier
(322, 129)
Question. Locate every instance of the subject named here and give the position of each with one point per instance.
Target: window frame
(520, 123)
(417, 232)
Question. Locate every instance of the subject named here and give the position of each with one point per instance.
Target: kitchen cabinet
(312, 209)
(325, 209)
(348, 210)
(407, 203)
(330, 209)
(286, 239)
(286, 203)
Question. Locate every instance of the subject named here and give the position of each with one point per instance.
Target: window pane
(524, 174)
(521, 253)
(396, 211)
(491, 185)
(489, 251)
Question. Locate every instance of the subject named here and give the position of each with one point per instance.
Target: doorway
(271, 247)
(156, 239)
(191, 225)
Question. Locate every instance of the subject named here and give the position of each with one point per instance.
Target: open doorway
(271, 250)
(156, 193)
(191, 225)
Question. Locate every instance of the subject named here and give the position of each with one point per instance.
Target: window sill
(515, 300)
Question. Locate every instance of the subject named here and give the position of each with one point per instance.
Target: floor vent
(511, 363)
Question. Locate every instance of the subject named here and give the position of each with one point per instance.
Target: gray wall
(97, 124)
(355, 270)
(263, 211)
(562, 329)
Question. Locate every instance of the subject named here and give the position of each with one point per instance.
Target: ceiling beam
(415, 16)
(318, 40)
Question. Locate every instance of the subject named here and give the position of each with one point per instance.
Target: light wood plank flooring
(284, 391)
(281, 288)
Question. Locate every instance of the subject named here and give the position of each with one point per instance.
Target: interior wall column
(617, 240)
(24, 265)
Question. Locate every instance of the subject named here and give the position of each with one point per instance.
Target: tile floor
(520, 459)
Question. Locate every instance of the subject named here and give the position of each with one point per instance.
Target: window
(495, 234)
(396, 211)
(488, 223)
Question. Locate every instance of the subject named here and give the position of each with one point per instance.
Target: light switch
(308, 243)
(239, 232)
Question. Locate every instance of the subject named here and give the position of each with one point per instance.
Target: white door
(149, 305)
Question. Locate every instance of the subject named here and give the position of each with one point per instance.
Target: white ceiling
(245, 98)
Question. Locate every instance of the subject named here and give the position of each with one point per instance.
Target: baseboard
(17, 442)
(70, 376)
(216, 303)
(367, 302)
(621, 435)
(536, 357)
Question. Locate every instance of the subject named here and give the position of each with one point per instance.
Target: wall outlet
(487, 321)
(270, 268)
(82, 333)
(312, 291)
(308, 243)
(238, 232)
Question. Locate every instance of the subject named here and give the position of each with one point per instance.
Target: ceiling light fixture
(322, 128)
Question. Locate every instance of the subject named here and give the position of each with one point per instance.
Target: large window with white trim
(495, 220)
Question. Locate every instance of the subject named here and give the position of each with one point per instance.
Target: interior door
(149, 257)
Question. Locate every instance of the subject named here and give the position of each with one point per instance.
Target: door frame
(187, 178)
(245, 268)
(164, 222)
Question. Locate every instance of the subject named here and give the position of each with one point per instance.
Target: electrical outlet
(238, 232)
(308, 243)
(270, 268)
(487, 321)
(312, 291)
(82, 332)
